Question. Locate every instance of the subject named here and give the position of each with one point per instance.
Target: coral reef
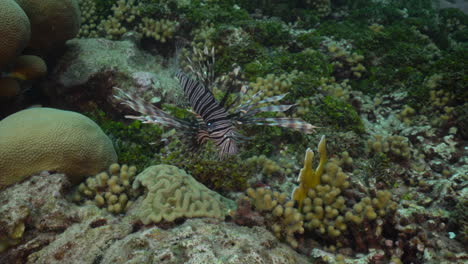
(28, 67)
(203, 241)
(278, 213)
(126, 16)
(23, 68)
(171, 194)
(323, 212)
(90, 68)
(396, 147)
(38, 139)
(111, 189)
(308, 178)
(37, 200)
(385, 81)
(57, 230)
(15, 31)
(64, 15)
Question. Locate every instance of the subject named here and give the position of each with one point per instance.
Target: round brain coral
(52, 21)
(14, 31)
(28, 67)
(39, 139)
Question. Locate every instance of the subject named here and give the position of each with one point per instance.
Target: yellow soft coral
(308, 178)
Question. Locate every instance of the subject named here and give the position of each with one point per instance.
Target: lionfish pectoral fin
(293, 123)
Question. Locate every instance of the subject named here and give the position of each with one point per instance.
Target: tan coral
(28, 67)
(15, 31)
(282, 218)
(109, 189)
(52, 22)
(39, 139)
(172, 194)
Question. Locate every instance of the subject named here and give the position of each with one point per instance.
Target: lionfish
(214, 120)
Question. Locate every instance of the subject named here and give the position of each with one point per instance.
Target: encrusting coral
(111, 189)
(170, 194)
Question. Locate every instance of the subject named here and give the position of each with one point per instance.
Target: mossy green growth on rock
(308, 61)
(103, 7)
(131, 141)
(270, 32)
(454, 69)
(405, 50)
(240, 54)
(230, 174)
(336, 113)
(218, 13)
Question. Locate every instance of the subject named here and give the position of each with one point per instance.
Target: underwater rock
(460, 4)
(90, 68)
(83, 242)
(57, 231)
(200, 241)
(30, 209)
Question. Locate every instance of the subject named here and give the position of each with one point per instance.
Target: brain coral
(28, 67)
(52, 21)
(39, 139)
(171, 194)
(14, 31)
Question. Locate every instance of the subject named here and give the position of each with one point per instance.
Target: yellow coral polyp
(308, 178)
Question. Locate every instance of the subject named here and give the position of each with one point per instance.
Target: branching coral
(272, 84)
(396, 147)
(160, 30)
(110, 190)
(308, 178)
(284, 220)
(328, 209)
(347, 64)
(126, 15)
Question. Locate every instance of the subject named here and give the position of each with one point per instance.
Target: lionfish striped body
(213, 119)
(214, 122)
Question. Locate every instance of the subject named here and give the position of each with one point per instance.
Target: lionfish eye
(208, 124)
